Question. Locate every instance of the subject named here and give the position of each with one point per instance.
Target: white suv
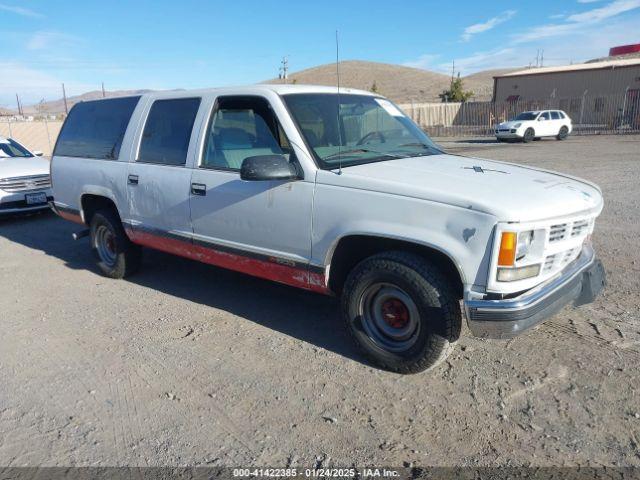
(338, 193)
(533, 125)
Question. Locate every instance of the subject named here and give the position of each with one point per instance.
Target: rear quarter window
(95, 129)
(167, 131)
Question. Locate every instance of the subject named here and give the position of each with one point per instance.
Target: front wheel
(401, 311)
(529, 135)
(117, 256)
(563, 133)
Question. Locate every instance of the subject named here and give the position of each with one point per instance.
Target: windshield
(527, 116)
(368, 129)
(11, 148)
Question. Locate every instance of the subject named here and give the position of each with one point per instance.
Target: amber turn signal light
(507, 255)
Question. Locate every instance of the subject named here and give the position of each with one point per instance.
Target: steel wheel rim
(105, 243)
(390, 317)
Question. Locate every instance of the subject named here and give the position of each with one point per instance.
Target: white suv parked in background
(535, 124)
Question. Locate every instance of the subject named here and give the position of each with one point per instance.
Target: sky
(192, 44)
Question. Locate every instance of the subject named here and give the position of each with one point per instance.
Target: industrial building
(605, 92)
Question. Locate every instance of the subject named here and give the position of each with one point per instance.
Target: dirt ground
(187, 364)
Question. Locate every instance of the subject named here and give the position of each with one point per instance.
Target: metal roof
(630, 62)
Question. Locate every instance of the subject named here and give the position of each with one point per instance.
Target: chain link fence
(613, 114)
(35, 133)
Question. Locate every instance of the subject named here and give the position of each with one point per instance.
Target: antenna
(338, 109)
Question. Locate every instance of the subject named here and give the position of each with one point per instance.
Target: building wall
(568, 84)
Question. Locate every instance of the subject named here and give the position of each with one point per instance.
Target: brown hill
(399, 83)
(57, 106)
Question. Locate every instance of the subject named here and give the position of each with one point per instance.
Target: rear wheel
(529, 135)
(401, 311)
(563, 133)
(117, 256)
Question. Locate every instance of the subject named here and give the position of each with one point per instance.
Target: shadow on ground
(309, 317)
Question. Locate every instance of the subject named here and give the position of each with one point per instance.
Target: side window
(242, 127)
(167, 132)
(95, 129)
(555, 115)
(545, 115)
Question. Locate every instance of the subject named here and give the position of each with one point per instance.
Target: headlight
(517, 125)
(513, 248)
(513, 274)
(524, 244)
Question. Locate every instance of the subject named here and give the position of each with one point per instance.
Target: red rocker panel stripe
(293, 276)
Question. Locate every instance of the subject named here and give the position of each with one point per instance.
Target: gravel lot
(186, 364)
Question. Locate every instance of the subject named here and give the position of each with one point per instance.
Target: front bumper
(11, 203)
(580, 283)
(507, 134)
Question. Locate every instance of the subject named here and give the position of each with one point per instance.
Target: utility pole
(19, 106)
(103, 94)
(64, 97)
(284, 69)
(542, 58)
(453, 71)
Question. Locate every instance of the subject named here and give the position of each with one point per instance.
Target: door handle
(132, 179)
(198, 189)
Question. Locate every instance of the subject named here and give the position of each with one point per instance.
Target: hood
(511, 123)
(508, 191)
(22, 167)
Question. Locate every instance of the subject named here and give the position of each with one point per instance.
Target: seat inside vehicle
(242, 128)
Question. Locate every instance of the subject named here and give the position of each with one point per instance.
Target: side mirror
(541, 119)
(37, 153)
(268, 167)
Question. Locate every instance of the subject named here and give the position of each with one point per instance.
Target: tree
(456, 92)
(374, 87)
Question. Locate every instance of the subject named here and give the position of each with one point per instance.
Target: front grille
(579, 228)
(563, 231)
(25, 184)
(560, 260)
(557, 232)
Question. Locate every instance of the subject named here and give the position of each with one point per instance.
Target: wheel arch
(351, 249)
(90, 203)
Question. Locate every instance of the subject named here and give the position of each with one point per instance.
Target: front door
(258, 227)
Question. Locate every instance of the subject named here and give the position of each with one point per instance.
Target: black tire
(117, 256)
(529, 135)
(563, 133)
(434, 317)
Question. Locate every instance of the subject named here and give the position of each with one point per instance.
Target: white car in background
(25, 183)
(533, 125)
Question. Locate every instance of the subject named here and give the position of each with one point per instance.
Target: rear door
(556, 120)
(158, 179)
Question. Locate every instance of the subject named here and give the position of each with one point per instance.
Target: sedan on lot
(25, 184)
(534, 125)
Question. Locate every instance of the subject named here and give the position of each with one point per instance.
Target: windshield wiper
(359, 150)
(415, 144)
